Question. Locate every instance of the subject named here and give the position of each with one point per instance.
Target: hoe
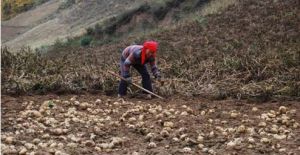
(114, 74)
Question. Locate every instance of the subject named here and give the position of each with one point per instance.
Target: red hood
(152, 46)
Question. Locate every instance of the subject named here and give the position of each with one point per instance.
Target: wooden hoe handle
(136, 85)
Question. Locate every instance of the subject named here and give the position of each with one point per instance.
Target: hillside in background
(249, 50)
(11, 8)
(56, 20)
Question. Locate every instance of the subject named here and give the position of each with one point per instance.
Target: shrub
(11, 8)
(86, 40)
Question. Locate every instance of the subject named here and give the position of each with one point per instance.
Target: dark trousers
(146, 81)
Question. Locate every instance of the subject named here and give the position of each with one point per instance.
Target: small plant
(50, 104)
(232, 63)
(86, 40)
(11, 8)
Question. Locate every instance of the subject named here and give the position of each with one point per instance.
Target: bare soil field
(97, 124)
(250, 51)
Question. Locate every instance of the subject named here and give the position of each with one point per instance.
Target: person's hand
(158, 77)
(128, 80)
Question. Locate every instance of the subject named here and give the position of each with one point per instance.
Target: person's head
(149, 50)
(149, 53)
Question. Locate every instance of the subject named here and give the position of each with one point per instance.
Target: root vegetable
(152, 145)
(262, 124)
(233, 115)
(265, 140)
(200, 138)
(200, 146)
(9, 140)
(169, 124)
(254, 109)
(251, 140)
(241, 129)
(186, 150)
(23, 151)
(282, 109)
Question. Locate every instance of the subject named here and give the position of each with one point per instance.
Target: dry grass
(244, 57)
(11, 8)
(216, 6)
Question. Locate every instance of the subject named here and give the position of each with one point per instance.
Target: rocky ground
(96, 124)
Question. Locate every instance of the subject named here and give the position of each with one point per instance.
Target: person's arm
(154, 68)
(127, 63)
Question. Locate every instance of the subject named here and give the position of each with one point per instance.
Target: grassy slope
(11, 8)
(250, 51)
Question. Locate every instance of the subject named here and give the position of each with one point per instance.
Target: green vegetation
(86, 40)
(11, 8)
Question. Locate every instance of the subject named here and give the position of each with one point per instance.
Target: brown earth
(74, 127)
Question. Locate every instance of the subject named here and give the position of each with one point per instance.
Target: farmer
(137, 56)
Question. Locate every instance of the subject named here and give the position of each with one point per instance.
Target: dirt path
(96, 124)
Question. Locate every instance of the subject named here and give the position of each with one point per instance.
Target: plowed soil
(97, 124)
